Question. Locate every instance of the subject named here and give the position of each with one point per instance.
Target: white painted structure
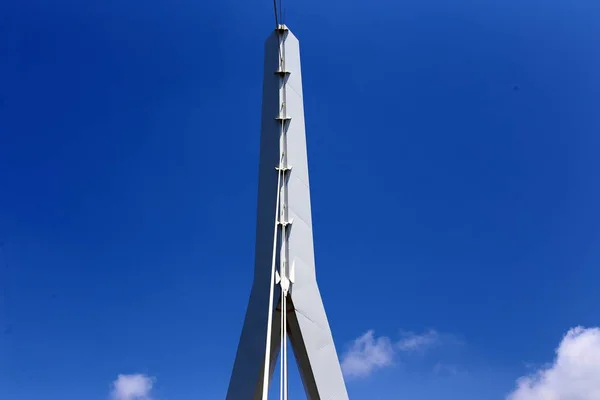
(284, 259)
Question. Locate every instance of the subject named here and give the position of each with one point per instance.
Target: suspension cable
(281, 169)
(267, 369)
(279, 12)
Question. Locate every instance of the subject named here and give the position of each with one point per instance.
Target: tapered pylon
(284, 209)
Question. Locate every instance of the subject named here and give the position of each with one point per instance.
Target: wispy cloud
(574, 373)
(417, 342)
(132, 387)
(366, 354)
(369, 353)
(445, 369)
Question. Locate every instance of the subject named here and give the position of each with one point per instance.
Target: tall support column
(283, 175)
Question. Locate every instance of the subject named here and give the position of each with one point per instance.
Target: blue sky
(455, 190)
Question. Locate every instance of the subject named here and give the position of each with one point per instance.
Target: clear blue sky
(455, 185)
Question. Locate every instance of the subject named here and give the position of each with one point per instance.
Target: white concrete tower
(285, 298)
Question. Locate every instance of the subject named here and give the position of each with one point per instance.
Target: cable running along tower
(284, 300)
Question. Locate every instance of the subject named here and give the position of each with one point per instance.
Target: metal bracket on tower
(285, 223)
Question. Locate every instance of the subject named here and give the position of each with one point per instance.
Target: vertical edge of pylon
(246, 377)
(310, 333)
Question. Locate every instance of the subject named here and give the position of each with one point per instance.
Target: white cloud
(132, 387)
(369, 353)
(573, 375)
(415, 342)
